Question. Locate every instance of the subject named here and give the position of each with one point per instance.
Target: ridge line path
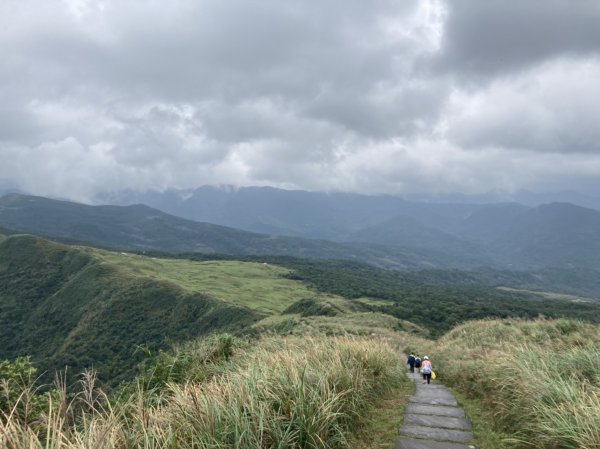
(433, 419)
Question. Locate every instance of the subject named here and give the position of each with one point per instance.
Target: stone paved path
(433, 420)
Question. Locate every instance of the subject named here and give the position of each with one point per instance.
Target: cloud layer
(358, 95)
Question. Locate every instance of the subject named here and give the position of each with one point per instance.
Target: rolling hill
(331, 216)
(141, 228)
(82, 307)
(66, 306)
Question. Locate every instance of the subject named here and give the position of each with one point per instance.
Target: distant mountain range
(496, 233)
(225, 199)
(142, 228)
(382, 230)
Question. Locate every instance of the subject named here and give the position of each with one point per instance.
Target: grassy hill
(438, 300)
(66, 306)
(82, 307)
(311, 393)
(329, 337)
(519, 381)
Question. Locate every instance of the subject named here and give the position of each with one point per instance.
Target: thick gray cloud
(496, 37)
(363, 95)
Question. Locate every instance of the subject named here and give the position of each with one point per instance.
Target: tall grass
(539, 381)
(282, 394)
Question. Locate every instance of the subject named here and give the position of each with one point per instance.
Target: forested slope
(63, 306)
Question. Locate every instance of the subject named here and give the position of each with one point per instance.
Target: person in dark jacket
(411, 362)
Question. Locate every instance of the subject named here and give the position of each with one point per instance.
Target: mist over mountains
(386, 231)
(507, 234)
(260, 208)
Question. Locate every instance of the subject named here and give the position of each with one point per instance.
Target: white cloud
(550, 108)
(371, 96)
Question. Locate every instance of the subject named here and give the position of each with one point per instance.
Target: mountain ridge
(140, 227)
(414, 236)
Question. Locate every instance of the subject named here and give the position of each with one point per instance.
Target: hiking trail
(433, 419)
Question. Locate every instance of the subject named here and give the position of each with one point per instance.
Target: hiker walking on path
(411, 362)
(426, 369)
(418, 363)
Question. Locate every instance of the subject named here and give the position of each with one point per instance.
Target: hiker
(418, 363)
(426, 369)
(411, 362)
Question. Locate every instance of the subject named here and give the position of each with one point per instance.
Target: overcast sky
(369, 96)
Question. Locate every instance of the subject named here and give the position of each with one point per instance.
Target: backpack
(417, 362)
(426, 368)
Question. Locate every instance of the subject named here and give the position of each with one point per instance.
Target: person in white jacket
(426, 370)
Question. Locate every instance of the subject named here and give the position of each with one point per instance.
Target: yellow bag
(433, 374)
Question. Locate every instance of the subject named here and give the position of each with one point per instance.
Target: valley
(164, 310)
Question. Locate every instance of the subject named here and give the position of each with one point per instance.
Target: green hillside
(436, 300)
(329, 334)
(66, 306)
(83, 307)
(263, 287)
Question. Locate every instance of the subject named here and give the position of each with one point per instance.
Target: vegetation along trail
(433, 420)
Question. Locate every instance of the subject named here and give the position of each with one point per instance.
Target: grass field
(261, 287)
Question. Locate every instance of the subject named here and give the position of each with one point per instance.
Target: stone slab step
(440, 410)
(446, 422)
(428, 391)
(433, 400)
(412, 443)
(435, 433)
(431, 386)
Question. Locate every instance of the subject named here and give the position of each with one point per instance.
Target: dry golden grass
(283, 393)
